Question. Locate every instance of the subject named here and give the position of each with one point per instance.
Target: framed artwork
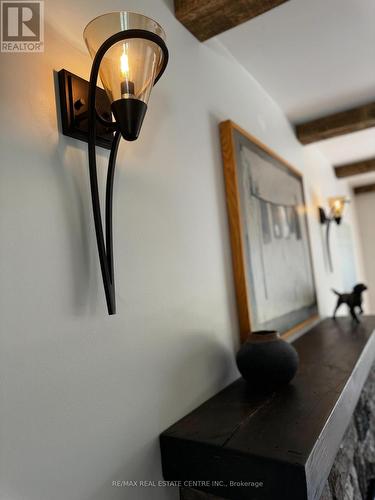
(271, 253)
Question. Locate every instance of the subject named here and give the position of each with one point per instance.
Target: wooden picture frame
(234, 141)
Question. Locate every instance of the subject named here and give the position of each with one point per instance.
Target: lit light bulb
(127, 86)
(124, 64)
(337, 207)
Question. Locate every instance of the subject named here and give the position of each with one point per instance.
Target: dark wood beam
(342, 123)
(358, 167)
(207, 18)
(368, 188)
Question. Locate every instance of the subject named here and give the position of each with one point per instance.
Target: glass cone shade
(337, 205)
(129, 68)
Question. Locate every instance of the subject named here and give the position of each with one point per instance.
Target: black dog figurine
(353, 300)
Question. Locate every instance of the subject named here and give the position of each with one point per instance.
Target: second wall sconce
(130, 55)
(336, 210)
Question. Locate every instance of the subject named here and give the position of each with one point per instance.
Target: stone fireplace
(353, 473)
(314, 439)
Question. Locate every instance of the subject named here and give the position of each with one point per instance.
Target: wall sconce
(336, 210)
(130, 55)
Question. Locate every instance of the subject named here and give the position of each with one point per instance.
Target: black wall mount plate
(74, 112)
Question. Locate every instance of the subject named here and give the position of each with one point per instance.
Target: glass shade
(129, 68)
(337, 205)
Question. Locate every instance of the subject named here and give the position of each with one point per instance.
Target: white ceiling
(350, 148)
(314, 57)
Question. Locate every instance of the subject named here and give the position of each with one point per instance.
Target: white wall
(83, 395)
(365, 208)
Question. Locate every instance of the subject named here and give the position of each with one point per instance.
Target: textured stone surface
(354, 466)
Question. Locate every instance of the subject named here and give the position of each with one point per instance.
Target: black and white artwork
(275, 236)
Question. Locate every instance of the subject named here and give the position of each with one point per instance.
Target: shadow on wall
(199, 357)
(77, 207)
(316, 203)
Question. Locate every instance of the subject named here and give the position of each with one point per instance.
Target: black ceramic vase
(266, 361)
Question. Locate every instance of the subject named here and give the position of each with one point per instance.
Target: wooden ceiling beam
(208, 18)
(346, 122)
(368, 188)
(356, 168)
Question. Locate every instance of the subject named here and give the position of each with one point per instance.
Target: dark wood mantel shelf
(287, 441)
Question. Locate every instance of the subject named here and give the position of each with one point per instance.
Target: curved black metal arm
(105, 248)
(108, 206)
